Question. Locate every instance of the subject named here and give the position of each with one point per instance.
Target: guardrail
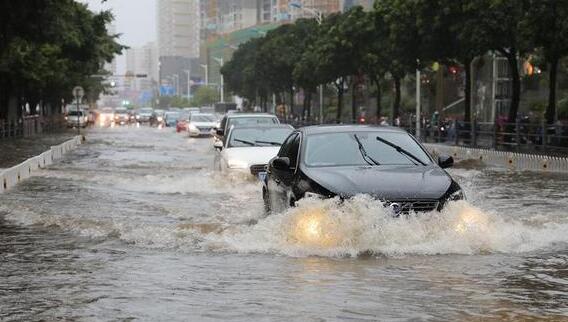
(510, 160)
(16, 174)
(30, 125)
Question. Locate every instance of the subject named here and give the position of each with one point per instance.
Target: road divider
(510, 160)
(16, 174)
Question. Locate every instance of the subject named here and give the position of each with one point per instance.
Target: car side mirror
(281, 163)
(218, 145)
(445, 161)
(220, 132)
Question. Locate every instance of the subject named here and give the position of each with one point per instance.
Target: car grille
(255, 169)
(407, 206)
(204, 129)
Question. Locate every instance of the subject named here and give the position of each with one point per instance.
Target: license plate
(261, 176)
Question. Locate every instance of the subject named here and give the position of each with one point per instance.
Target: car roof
(235, 115)
(323, 129)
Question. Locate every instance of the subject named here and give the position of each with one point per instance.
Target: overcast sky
(134, 19)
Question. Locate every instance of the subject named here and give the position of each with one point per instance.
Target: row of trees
(49, 46)
(393, 40)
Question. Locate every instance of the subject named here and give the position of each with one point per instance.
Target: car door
(280, 181)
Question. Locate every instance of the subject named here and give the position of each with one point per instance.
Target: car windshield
(375, 148)
(75, 113)
(246, 137)
(251, 121)
(184, 116)
(121, 111)
(146, 111)
(203, 118)
(172, 115)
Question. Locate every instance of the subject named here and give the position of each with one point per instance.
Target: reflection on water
(137, 225)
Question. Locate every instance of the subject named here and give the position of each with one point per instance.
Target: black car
(384, 162)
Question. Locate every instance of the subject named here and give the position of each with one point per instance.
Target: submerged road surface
(135, 225)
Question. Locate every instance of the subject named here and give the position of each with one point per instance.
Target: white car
(201, 124)
(248, 149)
(244, 119)
(76, 118)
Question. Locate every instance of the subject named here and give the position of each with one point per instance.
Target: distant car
(386, 163)
(159, 118)
(106, 117)
(145, 115)
(77, 118)
(183, 120)
(249, 148)
(121, 116)
(171, 118)
(242, 119)
(201, 124)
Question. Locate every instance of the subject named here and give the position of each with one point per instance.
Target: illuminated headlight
(313, 195)
(160, 119)
(237, 164)
(458, 195)
(66, 118)
(137, 117)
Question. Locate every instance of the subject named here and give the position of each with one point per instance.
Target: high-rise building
(111, 67)
(178, 28)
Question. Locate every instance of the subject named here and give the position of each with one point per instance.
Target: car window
(290, 148)
(251, 121)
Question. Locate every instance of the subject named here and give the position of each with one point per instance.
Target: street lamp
(204, 66)
(319, 18)
(176, 83)
(188, 71)
(220, 61)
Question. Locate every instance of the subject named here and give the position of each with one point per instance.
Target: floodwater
(135, 225)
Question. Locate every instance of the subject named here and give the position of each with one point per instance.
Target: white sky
(134, 19)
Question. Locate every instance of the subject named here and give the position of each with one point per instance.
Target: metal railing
(30, 125)
(521, 136)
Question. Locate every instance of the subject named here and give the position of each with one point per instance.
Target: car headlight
(160, 119)
(237, 164)
(137, 117)
(192, 127)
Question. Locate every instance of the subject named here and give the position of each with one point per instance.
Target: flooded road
(136, 225)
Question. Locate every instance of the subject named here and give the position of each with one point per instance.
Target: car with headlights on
(249, 148)
(201, 124)
(145, 115)
(76, 118)
(386, 163)
(121, 116)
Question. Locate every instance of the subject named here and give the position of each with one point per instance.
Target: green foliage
(204, 96)
(49, 46)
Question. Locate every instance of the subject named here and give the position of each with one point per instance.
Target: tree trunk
(309, 105)
(467, 101)
(516, 84)
(291, 101)
(339, 102)
(551, 108)
(379, 97)
(396, 105)
(305, 107)
(354, 101)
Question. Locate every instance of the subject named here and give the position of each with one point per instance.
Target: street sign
(78, 92)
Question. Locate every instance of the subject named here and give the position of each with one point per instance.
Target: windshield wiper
(364, 153)
(269, 142)
(245, 142)
(400, 150)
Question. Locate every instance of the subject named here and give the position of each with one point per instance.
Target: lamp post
(176, 82)
(220, 61)
(319, 19)
(188, 71)
(204, 66)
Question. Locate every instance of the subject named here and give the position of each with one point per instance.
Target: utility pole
(222, 88)
(188, 71)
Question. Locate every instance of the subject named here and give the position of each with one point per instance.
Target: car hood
(383, 182)
(252, 155)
